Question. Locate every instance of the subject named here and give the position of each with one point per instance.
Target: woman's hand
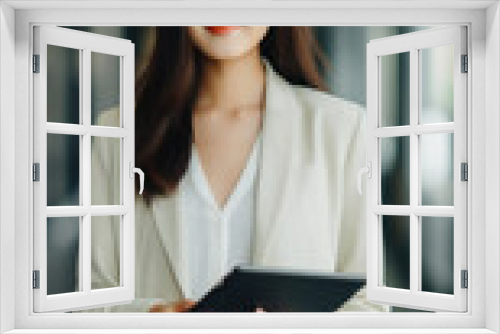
(178, 306)
(183, 306)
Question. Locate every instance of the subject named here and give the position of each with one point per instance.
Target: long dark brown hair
(168, 84)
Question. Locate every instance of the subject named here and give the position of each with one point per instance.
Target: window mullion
(424, 129)
(414, 171)
(406, 210)
(66, 129)
(67, 211)
(85, 163)
(108, 210)
(78, 130)
(406, 130)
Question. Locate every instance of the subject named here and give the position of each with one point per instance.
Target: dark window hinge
(36, 279)
(36, 172)
(36, 63)
(464, 172)
(465, 64)
(465, 279)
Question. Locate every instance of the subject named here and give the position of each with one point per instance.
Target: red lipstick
(221, 30)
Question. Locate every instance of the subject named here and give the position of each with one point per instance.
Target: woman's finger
(184, 305)
(180, 306)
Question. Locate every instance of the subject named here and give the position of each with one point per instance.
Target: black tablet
(280, 290)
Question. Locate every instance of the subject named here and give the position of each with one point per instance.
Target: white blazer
(308, 212)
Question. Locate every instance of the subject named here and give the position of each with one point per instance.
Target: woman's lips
(222, 30)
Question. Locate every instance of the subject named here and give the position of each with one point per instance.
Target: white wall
(492, 166)
(117, 17)
(7, 163)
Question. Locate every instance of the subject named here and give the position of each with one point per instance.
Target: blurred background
(345, 47)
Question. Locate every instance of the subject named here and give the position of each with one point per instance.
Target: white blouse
(217, 238)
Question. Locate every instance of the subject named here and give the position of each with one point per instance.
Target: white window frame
(85, 44)
(483, 21)
(412, 44)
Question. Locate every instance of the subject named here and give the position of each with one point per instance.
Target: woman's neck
(232, 85)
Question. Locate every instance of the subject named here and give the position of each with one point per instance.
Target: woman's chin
(227, 54)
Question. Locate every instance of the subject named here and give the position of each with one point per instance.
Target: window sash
(412, 43)
(86, 43)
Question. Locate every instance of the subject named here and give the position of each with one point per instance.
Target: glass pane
(63, 85)
(63, 244)
(105, 240)
(395, 89)
(105, 93)
(63, 170)
(106, 171)
(395, 166)
(436, 156)
(437, 84)
(437, 254)
(396, 251)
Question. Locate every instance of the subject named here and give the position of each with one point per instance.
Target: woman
(246, 161)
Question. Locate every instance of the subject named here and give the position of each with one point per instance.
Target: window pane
(105, 89)
(395, 166)
(63, 244)
(106, 231)
(437, 254)
(437, 84)
(396, 251)
(106, 171)
(63, 170)
(395, 89)
(436, 156)
(63, 85)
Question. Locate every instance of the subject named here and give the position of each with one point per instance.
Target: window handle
(368, 171)
(141, 175)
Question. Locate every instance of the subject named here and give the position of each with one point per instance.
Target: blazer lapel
(281, 122)
(167, 220)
